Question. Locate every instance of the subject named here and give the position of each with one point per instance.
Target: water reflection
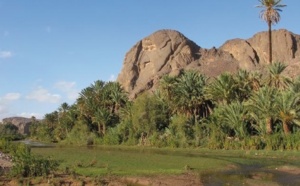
(37, 144)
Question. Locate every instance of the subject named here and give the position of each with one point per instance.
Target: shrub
(27, 165)
(111, 137)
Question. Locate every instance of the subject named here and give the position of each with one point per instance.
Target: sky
(52, 49)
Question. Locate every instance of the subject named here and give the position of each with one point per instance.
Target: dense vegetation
(25, 163)
(246, 110)
(10, 132)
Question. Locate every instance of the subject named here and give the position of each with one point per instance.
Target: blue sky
(51, 49)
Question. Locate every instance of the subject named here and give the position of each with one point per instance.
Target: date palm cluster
(185, 110)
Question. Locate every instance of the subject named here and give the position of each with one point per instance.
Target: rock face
(254, 51)
(163, 52)
(169, 52)
(22, 123)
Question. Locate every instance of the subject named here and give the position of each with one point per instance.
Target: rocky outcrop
(22, 123)
(169, 52)
(254, 51)
(164, 52)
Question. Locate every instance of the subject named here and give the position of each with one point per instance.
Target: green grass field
(120, 160)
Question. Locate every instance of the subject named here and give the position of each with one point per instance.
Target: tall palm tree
(270, 14)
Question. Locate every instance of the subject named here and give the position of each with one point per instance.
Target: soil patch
(188, 179)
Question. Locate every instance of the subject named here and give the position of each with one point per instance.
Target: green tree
(275, 77)
(245, 82)
(149, 116)
(102, 117)
(288, 108)
(270, 14)
(234, 118)
(222, 90)
(115, 96)
(262, 107)
(189, 94)
(167, 85)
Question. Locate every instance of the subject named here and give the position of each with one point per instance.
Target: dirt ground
(5, 163)
(60, 180)
(187, 179)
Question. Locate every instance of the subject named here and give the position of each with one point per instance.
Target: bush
(111, 137)
(10, 132)
(27, 165)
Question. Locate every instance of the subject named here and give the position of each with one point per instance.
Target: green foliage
(10, 132)
(180, 132)
(246, 110)
(222, 89)
(112, 137)
(25, 164)
(232, 120)
(150, 116)
(6, 146)
(80, 135)
(28, 165)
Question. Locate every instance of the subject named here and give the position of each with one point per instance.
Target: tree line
(248, 110)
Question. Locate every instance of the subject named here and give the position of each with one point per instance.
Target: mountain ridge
(169, 52)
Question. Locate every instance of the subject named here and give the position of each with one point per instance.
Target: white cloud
(29, 115)
(68, 88)
(4, 111)
(12, 96)
(112, 78)
(43, 95)
(5, 54)
(5, 103)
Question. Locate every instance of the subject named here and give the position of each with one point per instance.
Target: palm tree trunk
(269, 125)
(99, 128)
(104, 129)
(270, 41)
(286, 128)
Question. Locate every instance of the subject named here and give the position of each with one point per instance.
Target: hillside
(169, 52)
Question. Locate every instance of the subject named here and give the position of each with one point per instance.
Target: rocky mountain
(22, 123)
(169, 52)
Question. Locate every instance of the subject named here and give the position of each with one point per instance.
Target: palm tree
(295, 85)
(245, 83)
(275, 78)
(222, 90)
(189, 94)
(288, 109)
(114, 96)
(167, 85)
(261, 106)
(51, 119)
(270, 14)
(64, 107)
(232, 119)
(102, 117)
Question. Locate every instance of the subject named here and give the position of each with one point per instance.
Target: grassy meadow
(139, 161)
